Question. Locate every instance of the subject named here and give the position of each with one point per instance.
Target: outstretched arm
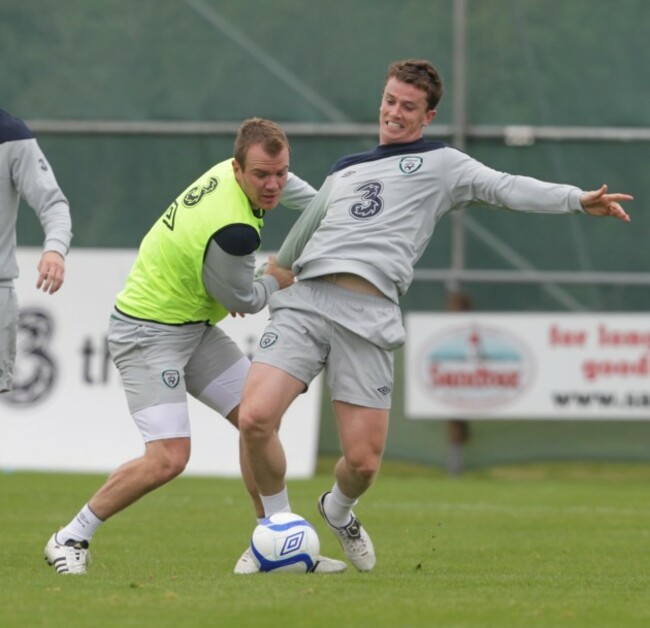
(470, 182)
(600, 203)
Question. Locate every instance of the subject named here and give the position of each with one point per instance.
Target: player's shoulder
(12, 128)
(237, 239)
(386, 151)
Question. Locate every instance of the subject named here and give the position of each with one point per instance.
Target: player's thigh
(358, 371)
(296, 342)
(151, 361)
(362, 432)
(292, 351)
(216, 372)
(267, 395)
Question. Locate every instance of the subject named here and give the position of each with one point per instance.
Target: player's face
(264, 176)
(403, 113)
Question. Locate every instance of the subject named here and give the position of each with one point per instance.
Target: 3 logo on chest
(371, 202)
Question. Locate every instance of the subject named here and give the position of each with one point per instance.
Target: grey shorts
(160, 364)
(8, 335)
(317, 325)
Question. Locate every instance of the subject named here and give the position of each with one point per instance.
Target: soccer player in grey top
(25, 172)
(353, 252)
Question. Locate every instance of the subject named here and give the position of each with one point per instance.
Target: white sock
(338, 507)
(276, 503)
(81, 528)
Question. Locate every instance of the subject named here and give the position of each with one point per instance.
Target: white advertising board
(68, 411)
(527, 366)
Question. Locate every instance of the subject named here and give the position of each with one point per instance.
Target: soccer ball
(285, 542)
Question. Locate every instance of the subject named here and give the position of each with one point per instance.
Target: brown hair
(421, 74)
(259, 131)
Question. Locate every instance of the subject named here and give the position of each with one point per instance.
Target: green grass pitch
(539, 545)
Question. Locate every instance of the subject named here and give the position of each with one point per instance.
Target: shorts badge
(171, 378)
(268, 339)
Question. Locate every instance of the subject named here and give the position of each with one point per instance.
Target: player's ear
(430, 115)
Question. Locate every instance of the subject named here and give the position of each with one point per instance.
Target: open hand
(600, 203)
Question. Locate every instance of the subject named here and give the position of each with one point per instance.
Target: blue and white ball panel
(285, 542)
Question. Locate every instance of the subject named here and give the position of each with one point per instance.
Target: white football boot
(72, 557)
(246, 564)
(353, 539)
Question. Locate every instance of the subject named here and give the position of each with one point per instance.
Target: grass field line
(484, 507)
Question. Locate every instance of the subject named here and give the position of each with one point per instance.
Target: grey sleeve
(297, 193)
(304, 228)
(472, 182)
(230, 280)
(33, 178)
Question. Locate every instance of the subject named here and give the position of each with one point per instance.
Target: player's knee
(169, 463)
(171, 468)
(364, 468)
(253, 425)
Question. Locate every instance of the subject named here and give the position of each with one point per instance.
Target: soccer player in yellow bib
(194, 266)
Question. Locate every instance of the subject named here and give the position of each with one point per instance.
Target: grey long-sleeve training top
(376, 211)
(25, 172)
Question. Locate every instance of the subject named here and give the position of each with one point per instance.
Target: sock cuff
(341, 499)
(276, 503)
